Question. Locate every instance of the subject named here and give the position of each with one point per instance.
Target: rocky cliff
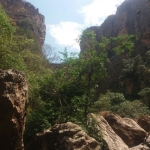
(22, 12)
(132, 17)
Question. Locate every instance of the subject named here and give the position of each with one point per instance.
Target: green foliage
(137, 71)
(132, 67)
(147, 62)
(36, 122)
(6, 29)
(110, 101)
(132, 109)
(123, 44)
(7, 57)
(71, 90)
(116, 102)
(94, 129)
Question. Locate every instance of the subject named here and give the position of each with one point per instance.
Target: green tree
(71, 90)
(123, 44)
(6, 30)
(110, 102)
(132, 109)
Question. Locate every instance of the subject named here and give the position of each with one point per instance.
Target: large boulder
(111, 141)
(13, 104)
(129, 131)
(65, 136)
(144, 122)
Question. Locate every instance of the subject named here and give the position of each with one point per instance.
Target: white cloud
(66, 33)
(98, 10)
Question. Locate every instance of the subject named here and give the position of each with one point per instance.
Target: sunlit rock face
(111, 140)
(13, 108)
(23, 14)
(132, 17)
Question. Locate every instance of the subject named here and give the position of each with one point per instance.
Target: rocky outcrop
(111, 140)
(120, 133)
(24, 13)
(13, 107)
(114, 132)
(144, 122)
(129, 131)
(65, 136)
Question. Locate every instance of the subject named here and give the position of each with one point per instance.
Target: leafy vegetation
(117, 103)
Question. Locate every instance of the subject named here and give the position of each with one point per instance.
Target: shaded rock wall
(19, 11)
(13, 107)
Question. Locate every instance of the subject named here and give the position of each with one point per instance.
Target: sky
(66, 19)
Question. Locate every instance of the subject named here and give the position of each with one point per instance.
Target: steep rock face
(13, 105)
(21, 11)
(65, 136)
(132, 17)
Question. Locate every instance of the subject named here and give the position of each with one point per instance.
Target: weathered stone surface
(65, 136)
(140, 147)
(13, 104)
(21, 13)
(144, 122)
(111, 140)
(129, 131)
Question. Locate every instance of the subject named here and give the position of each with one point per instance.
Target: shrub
(132, 109)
